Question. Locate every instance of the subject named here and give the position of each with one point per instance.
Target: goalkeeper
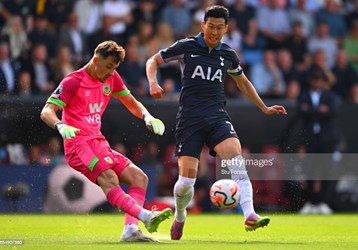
(83, 96)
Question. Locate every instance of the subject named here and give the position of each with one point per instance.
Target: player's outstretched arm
(151, 68)
(49, 116)
(137, 109)
(248, 89)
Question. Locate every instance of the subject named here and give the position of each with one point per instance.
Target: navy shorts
(191, 137)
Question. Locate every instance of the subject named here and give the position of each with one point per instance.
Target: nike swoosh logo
(192, 55)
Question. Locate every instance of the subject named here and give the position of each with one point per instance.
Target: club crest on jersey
(222, 61)
(108, 159)
(106, 89)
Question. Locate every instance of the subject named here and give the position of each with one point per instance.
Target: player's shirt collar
(202, 43)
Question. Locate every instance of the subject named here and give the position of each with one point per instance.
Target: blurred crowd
(279, 42)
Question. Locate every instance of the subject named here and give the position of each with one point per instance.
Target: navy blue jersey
(203, 71)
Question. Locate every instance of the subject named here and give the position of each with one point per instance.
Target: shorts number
(232, 130)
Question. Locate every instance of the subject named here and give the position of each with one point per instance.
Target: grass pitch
(210, 231)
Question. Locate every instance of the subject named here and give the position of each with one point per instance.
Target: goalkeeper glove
(155, 125)
(67, 132)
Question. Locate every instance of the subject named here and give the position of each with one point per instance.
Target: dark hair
(217, 11)
(316, 74)
(110, 48)
(296, 23)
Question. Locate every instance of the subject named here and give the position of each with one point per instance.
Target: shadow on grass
(184, 242)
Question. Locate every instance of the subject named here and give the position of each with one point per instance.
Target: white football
(225, 194)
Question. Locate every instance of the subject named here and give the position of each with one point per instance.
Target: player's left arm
(138, 110)
(248, 89)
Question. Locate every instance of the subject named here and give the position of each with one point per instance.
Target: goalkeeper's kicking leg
(132, 202)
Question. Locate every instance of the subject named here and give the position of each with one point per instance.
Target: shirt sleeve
(65, 91)
(174, 52)
(235, 68)
(119, 88)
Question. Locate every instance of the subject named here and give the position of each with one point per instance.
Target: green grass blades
(209, 231)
